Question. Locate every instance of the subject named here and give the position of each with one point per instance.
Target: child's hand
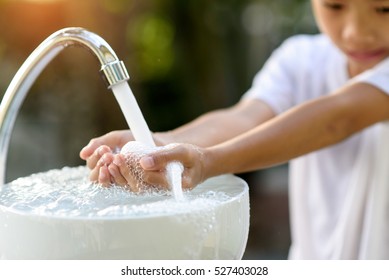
(124, 168)
(108, 167)
(107, 143)
(114, 169)
(122, 173)
(99, 153)
(140, 171)
(121, 168)
(111, 143)
(99, 165)
(191, 157)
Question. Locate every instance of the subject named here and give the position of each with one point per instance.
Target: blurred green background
(184, 57)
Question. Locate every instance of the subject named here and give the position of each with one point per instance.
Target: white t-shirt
(305, 67)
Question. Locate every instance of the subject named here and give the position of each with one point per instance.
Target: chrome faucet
(112, 68)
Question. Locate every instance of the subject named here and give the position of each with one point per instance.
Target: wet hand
(126, 175)
(113, 140)
(140, 169)
(122, 169)
(99, 172)
(191, 157)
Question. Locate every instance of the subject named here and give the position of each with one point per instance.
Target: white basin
(161, 228)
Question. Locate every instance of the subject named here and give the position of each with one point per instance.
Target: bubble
(67, 192)
(133, 151)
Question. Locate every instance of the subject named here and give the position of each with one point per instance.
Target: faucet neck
(113, 69)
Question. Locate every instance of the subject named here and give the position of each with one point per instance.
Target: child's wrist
(210, 163)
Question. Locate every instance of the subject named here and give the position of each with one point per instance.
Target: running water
(174, 174)
(133, 114)
(141, 132)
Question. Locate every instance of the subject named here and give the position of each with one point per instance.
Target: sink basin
(211, 223)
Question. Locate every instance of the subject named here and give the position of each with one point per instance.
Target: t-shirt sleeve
(275, 82)
(377, 76)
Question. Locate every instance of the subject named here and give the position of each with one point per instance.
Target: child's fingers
(124, 171)
(158, 160)
(94, 144)
(156, 178)
(87, 151)
(91, 148)
(190, 156)
(91, 161)
(104, 176)
(105, 160)
(116, 175)
(94, 174)
(112, 139)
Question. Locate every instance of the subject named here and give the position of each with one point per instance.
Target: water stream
(133, 114)
(141, 132)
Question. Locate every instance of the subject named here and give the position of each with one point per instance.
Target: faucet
(113, 70)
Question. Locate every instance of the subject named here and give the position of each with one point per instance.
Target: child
(320, 102)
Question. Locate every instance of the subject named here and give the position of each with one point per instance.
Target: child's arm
(209, 129)
(311, 126)
(220, 125)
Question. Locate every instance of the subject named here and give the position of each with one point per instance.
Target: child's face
(359, 28)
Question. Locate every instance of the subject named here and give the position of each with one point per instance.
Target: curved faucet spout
(113, 69)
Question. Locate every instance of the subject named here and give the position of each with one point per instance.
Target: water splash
(67, 192)
(62, 204)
